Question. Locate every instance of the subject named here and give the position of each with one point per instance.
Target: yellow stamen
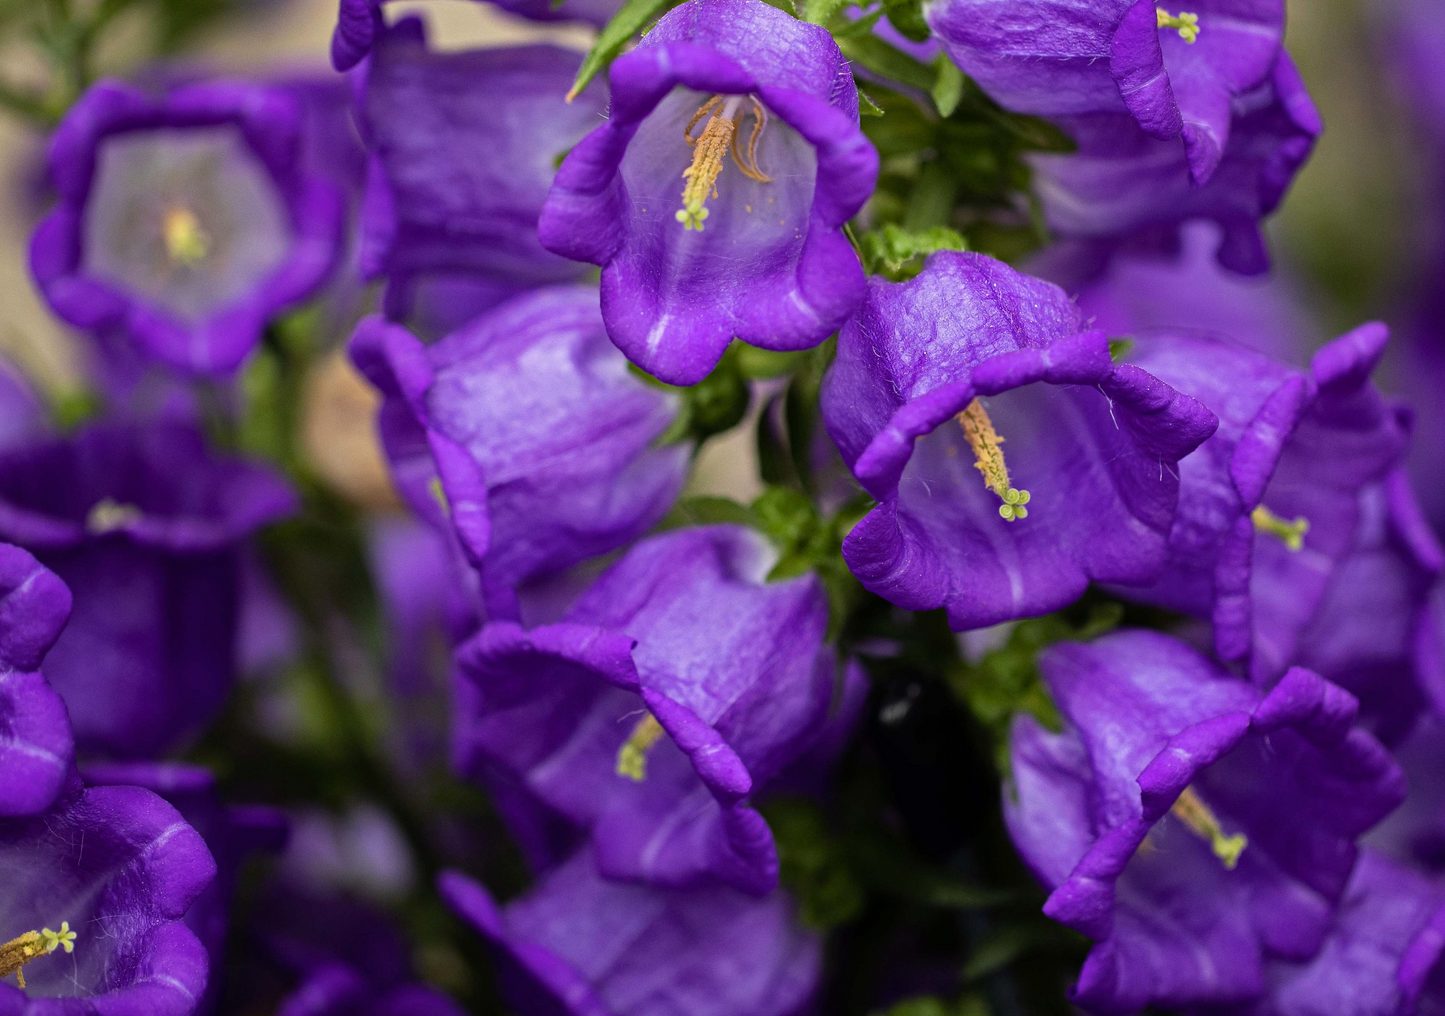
(19, 951)
(1195, 814)
(632, 756)
(1291, 533)
(719, 138)
(186, 242)
(107, 515)
(1186, 23)
(988, 459)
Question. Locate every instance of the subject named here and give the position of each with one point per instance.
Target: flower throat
(720, 138)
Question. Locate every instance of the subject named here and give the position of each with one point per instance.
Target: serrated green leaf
(897, 253)
(630, 19)
(820, 12)
(948, 86)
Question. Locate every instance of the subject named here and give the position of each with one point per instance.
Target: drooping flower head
(231, 832)
(1123, 188)
(1012, 460)
(96, 886)
(674, 689)
(1194, 827)
(715, 194)
(582, 945)
(1271, 504)
(525, 434)
(1174, 73)
(144, 526)
(463, 147)
(185, 220)
(37, 747)
(360, 23)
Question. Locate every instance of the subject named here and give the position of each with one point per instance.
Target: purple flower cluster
(1215, 796)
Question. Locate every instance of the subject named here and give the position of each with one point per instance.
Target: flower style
(525, 434)
(231, 833)
(715, 195)
(1190, 824)
(1012, 460)
(1123, 187)
(462, 151)
(675, 687)
(1381, 956)
(96, 888)
(144, 526)
(360, 23)
(185, 221)
(581, 945)
(38, 748)
(1271, 504)
(1174, 75)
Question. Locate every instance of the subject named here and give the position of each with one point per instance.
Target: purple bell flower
(96, 887)
(674, 689)
(1175, 74)
(581, 945)
(145, 527)
(463, 149)
(1271, 504)
(1123, 187)
(715, 194)
(360, 23)
(231, 832)
(525, 434)
(186, 220)
(953, 393)
(1191, 825)
(1381, 957)
(37, 748)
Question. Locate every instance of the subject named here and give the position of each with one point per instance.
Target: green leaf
(897, 253)
(813, 864)
(866, 106)
(888, 60)
(948, 86)
(633, 16)
(907, 17)
(1000, 948)
(714, 405)
(708, 511)
(820, 12)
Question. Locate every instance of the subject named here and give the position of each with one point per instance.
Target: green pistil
(1291, 534)
(1187, 24)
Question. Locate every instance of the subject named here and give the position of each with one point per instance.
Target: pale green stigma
(988, 459)
(1292, 534)
(107, 515)
(21, 950)
(1186, 23)
(632, 756)
(1195, 814)
(186, 242)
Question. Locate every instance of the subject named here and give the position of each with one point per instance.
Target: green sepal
(898, 254)
(1120, 348)
(866, 106)
(630, 20)
(947, 86)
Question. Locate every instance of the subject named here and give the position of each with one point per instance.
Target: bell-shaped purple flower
(185, 220)
(1190, 824)
(463, 149)
(1174, 73)
(1123, 187)
(144, 526)
(37, 747)
(525, 434)
(673, 690)
(1382, 956)
(360, 23)
(96, 887)
(1012, 460)
(582, 945)
(1272, 502)
(231, 832)
(715, 194)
